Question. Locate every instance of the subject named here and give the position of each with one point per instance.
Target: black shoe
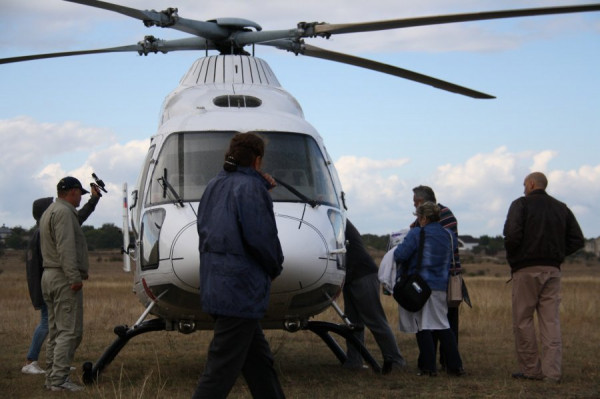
(520, 376)
(426, 372)
(458, 372)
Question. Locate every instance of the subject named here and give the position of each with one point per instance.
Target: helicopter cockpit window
(188, 161)
(296, 160)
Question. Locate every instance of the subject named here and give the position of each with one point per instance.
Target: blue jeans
(39, 335)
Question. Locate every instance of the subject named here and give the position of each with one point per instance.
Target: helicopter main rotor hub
(170, 20)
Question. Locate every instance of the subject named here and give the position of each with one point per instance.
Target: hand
(270, 179)
(95, 190)
(76, 286)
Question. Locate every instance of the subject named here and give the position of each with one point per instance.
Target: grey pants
(362, 306)
(537, 289)
(65, 324)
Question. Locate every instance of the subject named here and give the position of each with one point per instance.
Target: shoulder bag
(412, 291)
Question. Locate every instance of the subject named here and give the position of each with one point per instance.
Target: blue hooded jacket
(240, 252)
(437, 254)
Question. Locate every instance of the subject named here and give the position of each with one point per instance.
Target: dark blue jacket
(240, 252)
(437, 254)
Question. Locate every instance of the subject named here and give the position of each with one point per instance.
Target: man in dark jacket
(240, 254)
(538, 233)
(362, 304)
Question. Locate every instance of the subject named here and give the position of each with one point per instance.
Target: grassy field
(168, 364)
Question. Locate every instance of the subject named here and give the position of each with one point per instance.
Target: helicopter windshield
(188, 161)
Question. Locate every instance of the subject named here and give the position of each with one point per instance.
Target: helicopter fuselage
(217, 98)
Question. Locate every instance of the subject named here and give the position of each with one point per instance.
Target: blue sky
(75, 115)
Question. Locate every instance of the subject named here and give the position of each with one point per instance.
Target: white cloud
(479, 191)
(540, 161)
(29, 170)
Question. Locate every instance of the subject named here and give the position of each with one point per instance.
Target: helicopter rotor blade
(317, 52)
(328, 29)
(164, 19)
(130, 12)
(67, 54)
(149, 45)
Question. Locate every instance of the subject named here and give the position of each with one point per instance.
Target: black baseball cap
(67, 183)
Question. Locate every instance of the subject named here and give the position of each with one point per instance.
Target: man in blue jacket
(240, 255)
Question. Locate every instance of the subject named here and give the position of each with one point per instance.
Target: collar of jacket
(247, 170)
(539, 191)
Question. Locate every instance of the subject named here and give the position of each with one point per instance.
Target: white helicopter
(218, 97)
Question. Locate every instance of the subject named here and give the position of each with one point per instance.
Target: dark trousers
(453, 320)
(362, 306)
(427, 350)
(238, 347)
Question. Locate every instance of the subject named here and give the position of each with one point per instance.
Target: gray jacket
(34, 261)
(63, 242)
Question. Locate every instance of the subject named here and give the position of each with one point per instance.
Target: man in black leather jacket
(538, 233)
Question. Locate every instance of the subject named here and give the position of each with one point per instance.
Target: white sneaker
(32, 368)
(67, 386)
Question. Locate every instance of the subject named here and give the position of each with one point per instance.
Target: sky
(96, 113)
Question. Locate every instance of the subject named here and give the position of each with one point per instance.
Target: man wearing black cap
(65, 260)
(34, 268)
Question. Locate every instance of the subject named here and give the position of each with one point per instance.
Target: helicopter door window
(151, 225)
(141, 184)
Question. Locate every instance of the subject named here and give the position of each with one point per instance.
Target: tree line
(108, 236)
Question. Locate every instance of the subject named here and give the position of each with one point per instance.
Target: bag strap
(453, 268)
(419, 254)
(421, 245)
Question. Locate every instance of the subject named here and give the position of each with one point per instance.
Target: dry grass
(167, 364)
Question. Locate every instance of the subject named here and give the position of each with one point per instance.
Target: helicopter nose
(305, 255)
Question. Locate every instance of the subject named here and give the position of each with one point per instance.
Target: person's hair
(243, 150)
(429, 210)
(424, 193)
(539, 179)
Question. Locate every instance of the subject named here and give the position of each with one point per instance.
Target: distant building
(4, 232)
(593, 246)
(467, 243)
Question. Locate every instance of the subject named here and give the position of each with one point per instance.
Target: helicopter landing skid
(91, 372)
(323, 329)
(124, 334)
